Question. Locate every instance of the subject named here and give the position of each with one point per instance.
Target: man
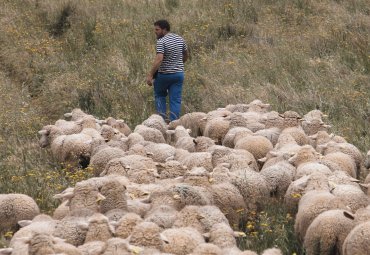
(169, 63)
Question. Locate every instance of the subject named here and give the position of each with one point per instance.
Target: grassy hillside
(58, 55)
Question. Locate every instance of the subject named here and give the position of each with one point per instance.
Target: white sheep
(228, 198)
(120, 125)
(181, 241)
(164, 216)
(16, 207)
(171, 169)
(340, 161)
(258, 145)
(156, 121)
(150, 134)
(146, 234)
(311, 205)
(270, 133)
(216, 129)
(192, 121)
(327, 232)
(92, 248)
(228, 140)
(101, 158)
(351, 195)
(252, 186)
(207, 249)
(311, 167)
(201, 218)
(357, 242)
(278, 177)
(99, 228)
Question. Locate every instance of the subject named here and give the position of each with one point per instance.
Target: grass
(58, 55)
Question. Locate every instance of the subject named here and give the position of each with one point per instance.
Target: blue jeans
(168, 84)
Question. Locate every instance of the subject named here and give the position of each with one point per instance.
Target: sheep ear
(169, 158)
(112, 227)
(146, 200)
(68, 115)
(239, 234)
(83, 225)
(135, 249)
(365, 185)
(262, 160)
(24, 223)
(6, 251)
(349, 215)
(64, 195)
(207, 236)
(100, 197)
(180, 178)
(164, 238)
(195, 142)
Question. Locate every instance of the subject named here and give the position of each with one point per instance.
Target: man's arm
(157, 62)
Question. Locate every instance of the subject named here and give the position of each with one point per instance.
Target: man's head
(161, 28)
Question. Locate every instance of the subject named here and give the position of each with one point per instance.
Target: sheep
(119, 125)
(99, 228)
(273, 119)
(99, 160)
(345, 148)
(156, 121)
(216, 129)
(311, 127)
(73, 228)
(164, 216)
(314, 114)
(201, 218)
(340, 161)
(174, 135)
(227, 197)
(197, 159)
(304, 155)
(92, 248)
(181, 241)
(314, 181)
(278, 177)
(327, 232)
(237, 159)
(68, 127)
(159, 152)
(298, 134)
(357, 241)
(150, 134)
(228, 140)
(76, 114)
(272, 134)
(16, 207)
(291, 119)
(322, 137)
(222, 235)
(171, 169)
(134, 138)
(252, 186)
(126, 224)
(351, 195)
(115, 196)
(311, 167)
(109, 133)
(259, 146)
(192, 121)
(146, 234)
(207, 249)
(202, 143)
(119, 246)
(137, 168)
(40, 224)
(310, 206)
(272, 251)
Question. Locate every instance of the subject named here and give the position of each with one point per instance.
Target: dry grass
(57, 55)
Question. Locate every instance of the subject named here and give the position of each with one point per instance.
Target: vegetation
(58, 55)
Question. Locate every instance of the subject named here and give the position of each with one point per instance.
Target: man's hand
(149, 80)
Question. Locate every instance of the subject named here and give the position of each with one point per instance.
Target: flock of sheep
(183, 188)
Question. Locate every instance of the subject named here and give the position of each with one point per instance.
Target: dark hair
(162, 23)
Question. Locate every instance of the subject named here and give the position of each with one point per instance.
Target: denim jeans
(168, 84)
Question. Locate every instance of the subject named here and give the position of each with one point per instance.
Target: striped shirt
(172, 46)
